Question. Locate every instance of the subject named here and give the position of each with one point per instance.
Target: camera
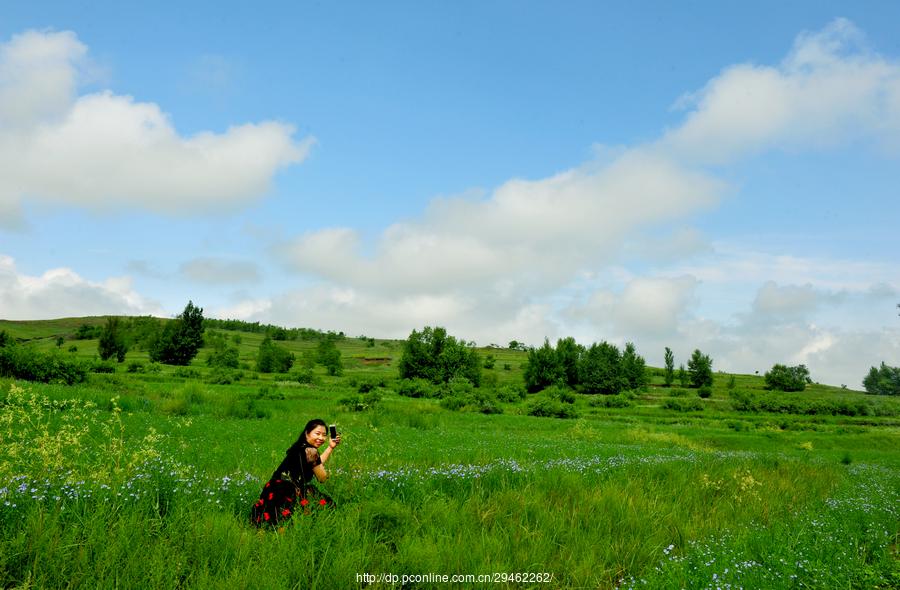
(332, 430)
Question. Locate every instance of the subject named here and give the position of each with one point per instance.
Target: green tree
(568, 353)
(112, 340)
(542, 368)
(883, 381)
(670, 367)
(434, 355)
(180, 339)
(329, 357)
(634, 368)
(786, 378)
(60, 341)
(272, 358)
(600, 369)
(682, 375)
(700, 369)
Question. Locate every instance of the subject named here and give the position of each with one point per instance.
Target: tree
(634, 368)
(568, 353)
(434, 355)
(542, 368)
(60, 341)
(180, 339)
(700, 369)
(600, 369)
(328, 355)
(272, 358)
(786, 378)
(682, 375)
(670, 367)
(112, 340)
(5, 338)
(883, 381)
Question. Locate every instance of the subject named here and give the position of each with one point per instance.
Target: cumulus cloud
(219, 271)
(828, 90)
(537, 234)
(60, 292)
(104, 150)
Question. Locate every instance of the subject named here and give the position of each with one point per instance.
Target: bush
(705, 391)
(329, 357)
(548, 408)
(103, 367)
(611, 401)
(181, 338)
(786, 378)
(883, 381)
(21, 362)
(360, 403)
(272, 358)
(223, 376)
(600, 369)
(489, 361)
(682, 404)
(135, 367)
(305, 375)
(700, 369)
(186, 373)
(562, 394)
(415, 388)
(246, 409)
(112, 341)
(223, 356)
(437, 357)
(511, 394)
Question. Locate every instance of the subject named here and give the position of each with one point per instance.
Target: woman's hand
(334, 442)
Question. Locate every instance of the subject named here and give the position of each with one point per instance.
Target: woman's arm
(319, 470)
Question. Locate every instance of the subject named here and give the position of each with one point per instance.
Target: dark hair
(301, 441)
(311, 425)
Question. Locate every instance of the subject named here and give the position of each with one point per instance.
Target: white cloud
(108, 151)
(535, 234)
(828, 90)
(60, 292)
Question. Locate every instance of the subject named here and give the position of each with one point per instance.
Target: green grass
(157, 495)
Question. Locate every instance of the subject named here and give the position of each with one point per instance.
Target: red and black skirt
(280, 499)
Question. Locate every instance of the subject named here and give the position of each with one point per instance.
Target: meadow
(144, 477)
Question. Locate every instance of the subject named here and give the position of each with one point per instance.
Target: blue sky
(689, 175)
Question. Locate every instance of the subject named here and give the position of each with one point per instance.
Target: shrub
(305, 375)
(223, 356)
(700, 369)
(186, 373)
(112, 341)
(329, 357)
(705, 391)
(511, 393)
(21, 362)
(669, 373)
(634, 368)
(682, 404)
(786, 378)
(610, 401)
(223, 376)
(135, 367)
(489, 361)
(883, 381)
(180, 339)
(246, 409)
(434, 355)
(272, 358)
(562, 394)
(550, 409)
(415, 388)
(600, 369)
(103, 367)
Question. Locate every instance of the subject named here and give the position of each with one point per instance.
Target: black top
(298, 464)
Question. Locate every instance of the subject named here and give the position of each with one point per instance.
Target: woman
(289, 488)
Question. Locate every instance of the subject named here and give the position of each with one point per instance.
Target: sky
(709, 175)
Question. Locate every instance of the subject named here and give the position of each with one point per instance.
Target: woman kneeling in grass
(289, 489)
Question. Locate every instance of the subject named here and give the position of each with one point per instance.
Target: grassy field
(145, 479)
